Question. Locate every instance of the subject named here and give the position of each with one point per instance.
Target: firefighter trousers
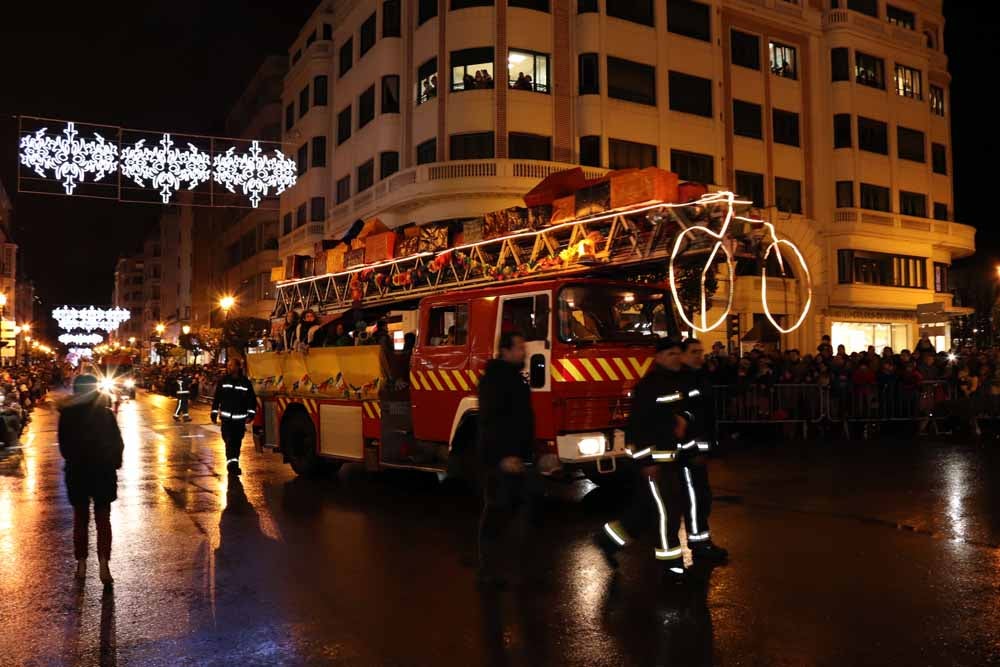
(182, 407)
(698, 501)
(658, 500)
(506, 498)
(233, 431)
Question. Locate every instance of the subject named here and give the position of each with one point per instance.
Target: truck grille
(582, 414)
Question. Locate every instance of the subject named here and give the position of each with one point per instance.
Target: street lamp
(185, 330)
(160, 328)
(226, 303)
(131, 340)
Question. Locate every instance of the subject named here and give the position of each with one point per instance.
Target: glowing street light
(226, 303)
(160, 328)
(131, 340)
(185, 330)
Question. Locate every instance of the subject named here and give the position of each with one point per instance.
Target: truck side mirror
(536, 371)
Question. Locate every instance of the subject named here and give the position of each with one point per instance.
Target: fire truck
(588, 291)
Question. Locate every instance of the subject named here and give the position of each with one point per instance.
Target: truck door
(530, 314)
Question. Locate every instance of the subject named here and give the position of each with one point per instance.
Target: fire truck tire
(619, 480)
(298, 442)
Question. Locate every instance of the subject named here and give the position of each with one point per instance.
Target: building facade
(831, 115)
(129, 294)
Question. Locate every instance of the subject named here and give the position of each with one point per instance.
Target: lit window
(427, 81)
(472, 69)
(869, 70)
(527, 70)
(937, 100)
(908, 82)
(783, 61)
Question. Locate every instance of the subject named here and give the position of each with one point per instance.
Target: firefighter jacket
(658, 399)
(234, 399)
(700, 409)
(183, 387)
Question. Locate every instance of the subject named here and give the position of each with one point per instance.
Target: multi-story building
(128, 294)
(152, 276)
(8, 254)
(175, 238)
(832, 115)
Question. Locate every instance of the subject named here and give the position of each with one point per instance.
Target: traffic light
(733, 333)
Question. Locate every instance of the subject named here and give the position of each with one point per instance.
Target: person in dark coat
(506, 451)
(291, 329)
(310, 332)
(91, 444)
(236, 405)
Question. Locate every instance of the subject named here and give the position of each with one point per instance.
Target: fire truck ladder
(618, 239)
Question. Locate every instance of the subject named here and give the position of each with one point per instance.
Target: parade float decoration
(90, 318)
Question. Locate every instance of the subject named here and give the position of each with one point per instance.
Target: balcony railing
(838, 18)
(300, 235)
(960, 235)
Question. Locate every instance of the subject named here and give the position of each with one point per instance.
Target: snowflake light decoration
(81, 339)
(256, 174)
(69, 158)
(165, 166)
(90, 318)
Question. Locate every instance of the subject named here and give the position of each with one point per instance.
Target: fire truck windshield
(596, 313)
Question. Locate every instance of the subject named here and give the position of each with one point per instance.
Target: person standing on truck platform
(693, 461)
(235, 403)
(183, 394)
(506, 451)
(656, 430)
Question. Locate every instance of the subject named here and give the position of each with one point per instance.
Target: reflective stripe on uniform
(227, 386)
(699, 537)
(694, 501)
(687, 445)
(669, 398)
(703, 445)
(642, 453)
(668, 554)
(614, 534)
(664, 456)
(661, 508)
(241, 388)
(693, 393)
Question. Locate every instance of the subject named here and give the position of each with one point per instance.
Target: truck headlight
(129, 383)
(107, 385)
(591, 445)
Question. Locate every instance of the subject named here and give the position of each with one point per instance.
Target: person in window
(286, 341)
(476, 82)
(309, 332)
(451, 338)
(521, 83)
(340, 336)
(487, 79)
(433, 90)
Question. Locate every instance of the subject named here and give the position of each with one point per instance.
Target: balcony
(845, 18)
(959, 239)
(304, 236)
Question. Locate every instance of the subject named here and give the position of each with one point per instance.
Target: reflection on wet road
(875, 554)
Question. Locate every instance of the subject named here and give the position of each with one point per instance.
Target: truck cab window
(449, 325)
(528, 315)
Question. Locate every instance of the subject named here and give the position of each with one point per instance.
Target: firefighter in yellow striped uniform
(657, 430)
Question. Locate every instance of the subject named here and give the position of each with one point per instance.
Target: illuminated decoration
(90, 318)
(80, 339)
(166, 167)
(68, 158)
(254, 173)
(775, 246)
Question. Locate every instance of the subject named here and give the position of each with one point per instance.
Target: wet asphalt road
(868, 554)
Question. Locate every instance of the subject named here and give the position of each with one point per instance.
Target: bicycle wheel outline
(732, 278)
(763, 284)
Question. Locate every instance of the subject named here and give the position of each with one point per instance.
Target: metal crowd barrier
(776, 404)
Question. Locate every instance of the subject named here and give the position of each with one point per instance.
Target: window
(940, 211)
(587, 7)
(751, 186)
(390, 93)
(908, 82)
(290, 116)
(320, 91)
(910, 144)
(590, 74)
(869, 7)
(878, 268)
(303, 101)
(937, 100)
(300, 216)
(344, 125)
(690, 94)
(529, 146)
(327, 32)
(388, 163)
(427, 81)
(317, 209)
(840, 64)
(869, 70)
(590, 150)
(311, 38)
(537, 5)
(346, 56)
(448, 325)
(637, 11)
(367, 37)
(873, 136)
(784, 62)
(366, 107)
(343, 189)
(631, 81)
(319, 151)
(426, 10)
(528, 315)
(527, 70)
(901, 17)
(913, 203)
(391, 18)
(302, 160)
(366, 175)
(465, 4)
(786, 127)
(626, 154)
(286, 224)
(427, 151)
(693, 166)
(940, 278)
(472, 146)
(842, 130)
(788, 195)
(688, 18)
(845, 194)
(746, 120)
(745, 49)
(939, 159)
(472, 68)
(875, 197)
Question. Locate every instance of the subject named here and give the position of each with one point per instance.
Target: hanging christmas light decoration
(254, 173)
(68, 158)
(81, 339)
(165, 166)
(89, 319)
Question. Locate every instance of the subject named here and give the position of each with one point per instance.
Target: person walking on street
(656, 430)
(91, 444)
(693, 461)
(506, 451)
(183, 397)
(235, 403)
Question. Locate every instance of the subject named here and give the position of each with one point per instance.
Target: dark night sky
(180, 65)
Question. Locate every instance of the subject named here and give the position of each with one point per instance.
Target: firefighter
(183, 395)
(693, 462)
(236, 404)
(657, 428)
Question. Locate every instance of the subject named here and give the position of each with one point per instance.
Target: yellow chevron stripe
(636, 366)
(460, 380)
(414, 382)
(424, 381)
(445, 373)
(378, 409)
(608, 371)
(434, 380)
(473, 378)
(368, 409)
(571, 369)
(626, 373)
(556, 375)
(646, 364)
(590, 369)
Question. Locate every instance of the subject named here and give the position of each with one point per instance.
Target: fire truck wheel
(298, 440)
(616, 481)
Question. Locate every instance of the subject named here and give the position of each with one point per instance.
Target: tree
(211, 341)
(239, 332)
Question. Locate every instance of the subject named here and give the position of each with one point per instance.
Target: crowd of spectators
(22, 387)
